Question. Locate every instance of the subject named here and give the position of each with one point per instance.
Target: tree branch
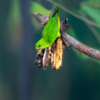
(73, 42)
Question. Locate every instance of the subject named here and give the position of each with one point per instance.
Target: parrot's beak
(37, 49)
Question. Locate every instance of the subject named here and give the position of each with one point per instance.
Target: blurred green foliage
(79, 75)
(91, 11)
(38, 8)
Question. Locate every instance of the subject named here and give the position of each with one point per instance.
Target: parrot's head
(42, 43)
(38, 45)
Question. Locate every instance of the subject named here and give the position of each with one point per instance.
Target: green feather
(50, 32)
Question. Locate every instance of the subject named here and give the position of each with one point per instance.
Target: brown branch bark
(73, 42)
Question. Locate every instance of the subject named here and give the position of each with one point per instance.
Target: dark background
(20, 79)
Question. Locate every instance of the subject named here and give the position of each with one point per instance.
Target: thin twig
(73, 42)
(81, 47)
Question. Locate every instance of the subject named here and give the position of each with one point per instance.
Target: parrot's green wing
(50, 32)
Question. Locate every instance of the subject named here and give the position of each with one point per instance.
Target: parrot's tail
(55, 11)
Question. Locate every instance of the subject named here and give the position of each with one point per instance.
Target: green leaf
(91, 11)
(37, 8)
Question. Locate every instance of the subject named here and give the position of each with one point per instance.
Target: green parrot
(51, 30)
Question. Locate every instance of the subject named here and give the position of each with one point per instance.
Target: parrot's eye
(39, 45)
